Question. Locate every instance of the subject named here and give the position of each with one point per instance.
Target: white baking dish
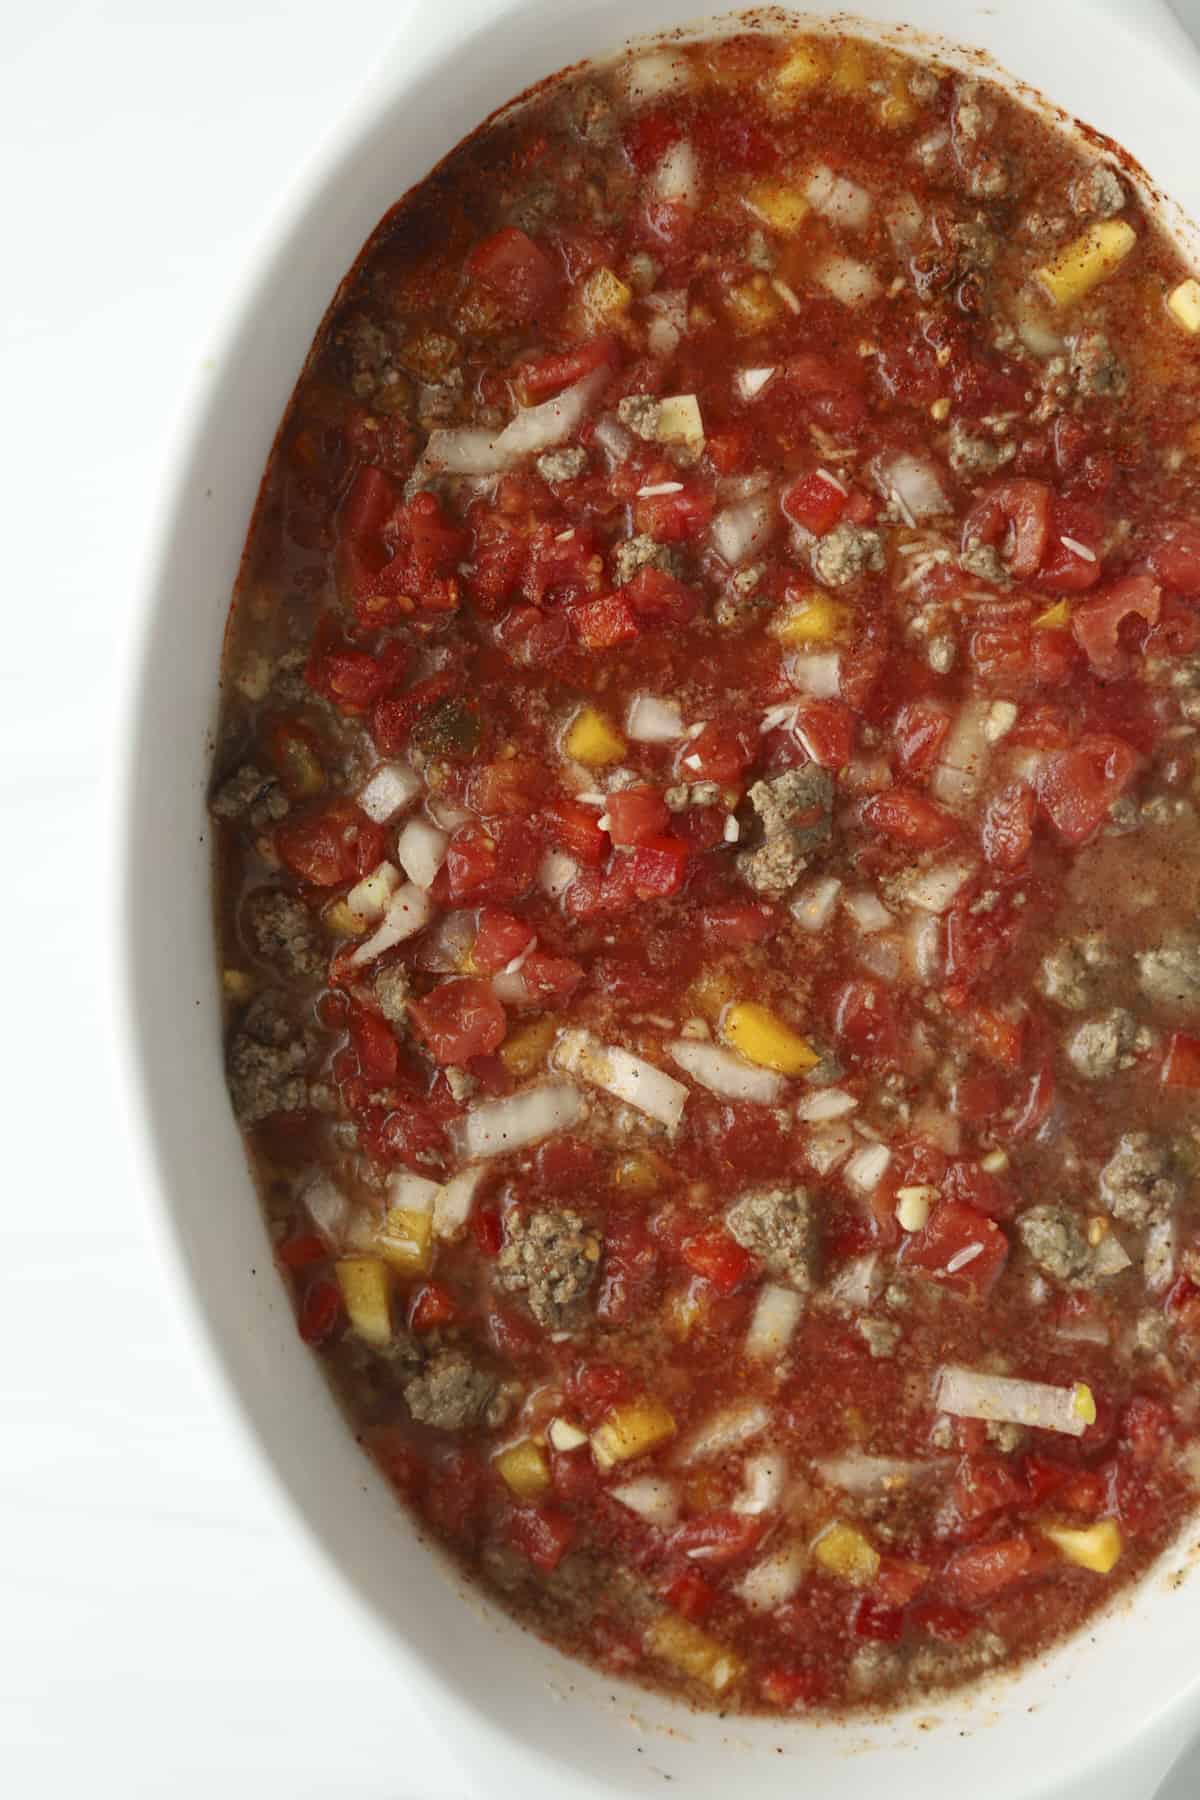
(525, 1718)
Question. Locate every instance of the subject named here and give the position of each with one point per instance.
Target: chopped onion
(924, 945)
(369, 897)
(858, 1282)
(814, 908)
(447, 817)
(724, 1073)
(556, 873)
(825, 1103)
(564, 1435)
(391, 788)
(828, 1146)
(452, 1205)
(669, 322)
(741, 531)
(860, 1474)
(843, 203)
(725, 1430)
(511, 988)
(935, 889)
(653, 721)
(774, 1580)
(763, 1481)
(969, 1394)
(866, 1167)
(1034, 328)
(652, 1497)
(655, 76)
(775, 1318)
(748, 384)
(881, 955)
(612, 437)
(958, 777)
(421, 851)
(411, 1193)
(408, 912)
(462, 450)
(1084, 1331)
(1160, 1254)
(328, 1208)
(627, 1077)
(819, 674)
(553, 421)
(1111, 1256)
(448, 944)
(867, 910)
(677, 177)
(915, 484)
(848, 280)
(904, 220)
(517, 1119)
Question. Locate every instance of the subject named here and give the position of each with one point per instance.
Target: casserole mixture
(707, 858)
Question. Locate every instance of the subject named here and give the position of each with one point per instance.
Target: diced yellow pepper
(1183, 303)
(804, 67)
(754, 305)
(678, 1642)
(1055, 618)
(761, 1038)
(237, 984)
(605, 296)
(1097, 1547)
(367, 1293)
(592, 740)
(1086, 260)
(897, 108)
(527, 1048)
(630, 1430)
(524, 1469)
(781, 207)
(405, 1240)
(815, 619)
(850, 72)
(637, 1174)
(1083, 1403)
(847, 1555)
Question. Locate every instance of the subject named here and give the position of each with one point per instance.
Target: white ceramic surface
(509, 1702)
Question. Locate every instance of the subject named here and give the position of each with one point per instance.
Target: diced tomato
(978, 1095)
(349, 677)
(907, 817)
(690, 1595)
(986, 1484)
(717, 1538)
(659, 867)
(1181, 1065)
(487, 1230)
(674, 518)
(1177, 632)
(301, 1251)
(394, 721)
(454, 1497)
(604, 623)
(998, 1036)
(918, 732)
(549, 978)
(977, 1574)
(593, 1389)
(509, 787)
(396, 557)
(337, 843)
(719, 1258)
(659, 598)
(787, 1689)
(831, 396)
(1077, 787)
(1053, 657)
(1006, 830)
(320, 1310)
(730, 449)
(976, 942)
(543, 1534)
(826, 730)
(375, 1046)
(965, 1180)
(458, 1020)
(815, 502)
(517, 273)
(947, 1624)
(499, 862)
(630, 1275)
(635, 815)
(514, 1336)
(1072, 562)
(1036, 1106)
(650, 134)
(499, 938)
(432, 1305)
(864, 1021)
(722, 752)
(557, 369)
(1098, 622)
(953, 1231)
(1014, 514)
(877, 1623)
(739, 922)
(1145, 1429)
(898, 1582)
(575, 829)
(1175, 558)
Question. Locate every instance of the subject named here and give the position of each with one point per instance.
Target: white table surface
(159, 1632)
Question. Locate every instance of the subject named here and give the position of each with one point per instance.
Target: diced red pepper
(433, 1305)
(719, 1258)
(557, 369)
(814, 502)
(320, 1310)
(499, 939)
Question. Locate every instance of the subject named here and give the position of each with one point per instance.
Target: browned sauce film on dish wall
(707, 869)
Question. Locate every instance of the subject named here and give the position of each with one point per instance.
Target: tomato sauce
(707, 869)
